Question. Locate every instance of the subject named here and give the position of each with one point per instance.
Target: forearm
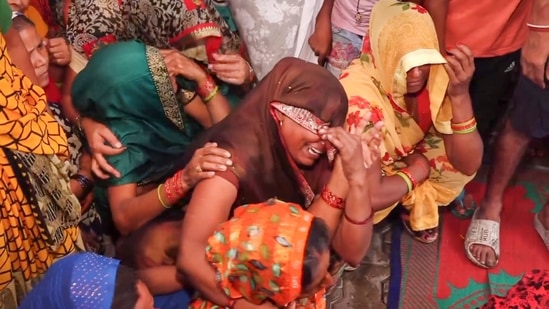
(326, 9)
(540, 12)
(218, 108)
(385, 190)
(161, 280)
(464, 151)
(338, 186)
(438, 9)
(66, 100)
(200, 274)
(352, 240)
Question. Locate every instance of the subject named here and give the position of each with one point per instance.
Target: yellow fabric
(402, 36)
(34, 15)
(26, 126)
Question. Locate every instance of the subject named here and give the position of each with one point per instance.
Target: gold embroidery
(164, 87)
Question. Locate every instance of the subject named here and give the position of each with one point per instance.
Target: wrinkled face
(18, 5)
(300, 134)
(416, 78)
(159, 245)
(36, 46)
(144, 297)
(322, 277)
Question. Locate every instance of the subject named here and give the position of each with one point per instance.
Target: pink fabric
(344, 12)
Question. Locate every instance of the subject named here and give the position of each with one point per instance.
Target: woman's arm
(464, 151)
(66, 100)
(321, 39)
(130, 211)
(205, 212)
(438, 10)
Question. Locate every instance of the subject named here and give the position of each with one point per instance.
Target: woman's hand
(179, 65)
(418, 166)
(460, 68)
(534, 56)
(232, 69)
(102, 142)
(321, 39)
(370, 134)
(350, 152)
(59, 51)
(204, 163)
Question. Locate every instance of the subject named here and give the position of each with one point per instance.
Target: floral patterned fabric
(532, 291)
(402, 36)
(259, 255)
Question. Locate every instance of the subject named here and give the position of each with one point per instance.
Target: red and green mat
(439, 275)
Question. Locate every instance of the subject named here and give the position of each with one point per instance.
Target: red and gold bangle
(463, 126)
(406, 179)
(207, 90)
(331, 199)
(363, 222)
(407, 174)
(169, 191)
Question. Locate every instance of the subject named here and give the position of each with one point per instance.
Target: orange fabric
(34, 15)
(489, 27)
(259, 254)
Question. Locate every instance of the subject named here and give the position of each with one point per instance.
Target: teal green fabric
(126, 86)
(5, 16)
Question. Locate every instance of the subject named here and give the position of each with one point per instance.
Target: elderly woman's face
(416, 78)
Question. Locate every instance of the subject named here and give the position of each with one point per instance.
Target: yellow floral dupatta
(402, 36)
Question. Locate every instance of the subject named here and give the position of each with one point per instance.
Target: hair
(125, 288)
(20, 22)
(318, 242)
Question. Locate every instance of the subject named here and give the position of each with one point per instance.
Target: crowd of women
(164, 154)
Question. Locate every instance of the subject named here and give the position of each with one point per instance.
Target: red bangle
(363, 222)
(231, 303)
(405, 172)
(169, 192)
(206, 89)
(331, 199)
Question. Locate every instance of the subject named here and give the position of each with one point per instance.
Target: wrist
(460, 98)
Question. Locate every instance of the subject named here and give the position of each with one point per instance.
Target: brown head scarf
(261, 163)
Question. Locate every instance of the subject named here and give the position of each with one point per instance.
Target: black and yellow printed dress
(38, 212)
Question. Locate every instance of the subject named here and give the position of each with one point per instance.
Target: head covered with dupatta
(260, 254)
(304, 92)
(401, 36)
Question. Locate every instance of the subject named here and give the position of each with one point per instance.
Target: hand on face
(350, 152)
(370, 135)
(460, 68)
(59, 51)
(232, 69)
(205, 162)
(179, 65)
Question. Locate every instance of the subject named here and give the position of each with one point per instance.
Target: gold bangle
(160, 197)
(406, 179)
(211, 95)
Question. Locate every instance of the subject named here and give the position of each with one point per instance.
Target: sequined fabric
(83, 281)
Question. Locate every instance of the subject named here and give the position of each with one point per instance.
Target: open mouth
(314, 151)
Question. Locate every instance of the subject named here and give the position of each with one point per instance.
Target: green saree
(126, 86)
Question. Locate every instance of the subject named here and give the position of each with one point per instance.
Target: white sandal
(543, 233)
(482, 232)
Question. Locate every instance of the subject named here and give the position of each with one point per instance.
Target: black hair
(125, 289)
(21, 22)
(318, 242)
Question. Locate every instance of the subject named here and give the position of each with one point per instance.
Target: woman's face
(145, 299)
(159, 245)
(305, 147)
(416, 78)
(322, 278)
(36, 46)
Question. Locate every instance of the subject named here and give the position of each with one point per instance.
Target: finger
(110, 138)
(210, 165)
(321, 59)
(105, 149)
(97, 171)
(105, 166)
(227, 58)
(467, 52)
(226, 68)
(450, 71)
(56, 42)
(217, 152)
(360, 127)
(210, 144)
(538, 72)
(456, 63)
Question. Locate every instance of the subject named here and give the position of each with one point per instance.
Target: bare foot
(484, 254)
